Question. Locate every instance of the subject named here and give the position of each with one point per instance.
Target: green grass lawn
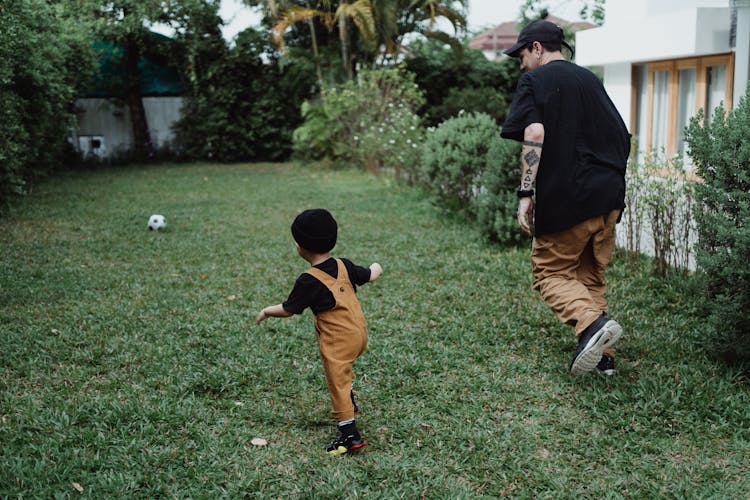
(132, 365)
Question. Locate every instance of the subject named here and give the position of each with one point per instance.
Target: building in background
(493, 42)
(104, 129)
(663, 61)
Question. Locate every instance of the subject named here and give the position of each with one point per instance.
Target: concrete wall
(660, 35)
(104, 128)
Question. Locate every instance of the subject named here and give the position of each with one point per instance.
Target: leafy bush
(477, 99)
(369, 121)
(497, 203)
(471, 83)
(241, 106)
(721, 151)
(660, 200)
(455, 158)
(44, 57)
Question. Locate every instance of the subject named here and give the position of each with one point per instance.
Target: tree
(359, 12)
(45, 58)
(241, 105)
(469, 83)
(592, 10)
(380, 24)
(126, 23)
(397, 18)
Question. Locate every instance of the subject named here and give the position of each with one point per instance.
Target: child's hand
(260, 317)
(276, 311)
(375, 271)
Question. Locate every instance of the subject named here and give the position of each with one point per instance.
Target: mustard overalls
(342, 337)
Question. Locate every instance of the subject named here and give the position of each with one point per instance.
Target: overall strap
(325, 278)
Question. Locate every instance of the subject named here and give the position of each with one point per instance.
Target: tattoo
(533, 144)
(531, 158)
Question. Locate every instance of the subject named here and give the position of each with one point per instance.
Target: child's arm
(375, 271)
(276, 311)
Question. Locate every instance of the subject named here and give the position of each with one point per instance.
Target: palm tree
(379, 23)
(397, 18)
(359, 12)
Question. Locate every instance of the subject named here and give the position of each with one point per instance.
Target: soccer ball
(156, 222)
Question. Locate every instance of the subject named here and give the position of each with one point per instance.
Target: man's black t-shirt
(309, 292)
(586, 144)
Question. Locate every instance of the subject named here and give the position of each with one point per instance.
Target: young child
(328, 289)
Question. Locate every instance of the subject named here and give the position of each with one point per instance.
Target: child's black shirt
(309, 292)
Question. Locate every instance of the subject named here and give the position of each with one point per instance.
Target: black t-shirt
(309, 292)
(586, 144)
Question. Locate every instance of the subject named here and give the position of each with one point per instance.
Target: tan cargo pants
(569, 270)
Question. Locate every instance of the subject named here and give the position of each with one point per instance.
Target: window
(666, 94)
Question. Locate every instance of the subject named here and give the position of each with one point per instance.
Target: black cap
(315, 230)
(538, 31)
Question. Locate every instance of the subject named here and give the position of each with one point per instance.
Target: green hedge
(472, 170)
(44, 56)
(721, 152)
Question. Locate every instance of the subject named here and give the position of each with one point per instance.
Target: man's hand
(526, 214)
(260, 317)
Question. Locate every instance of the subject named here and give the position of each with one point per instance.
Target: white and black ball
(156, 222)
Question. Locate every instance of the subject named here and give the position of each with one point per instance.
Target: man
(575, 148)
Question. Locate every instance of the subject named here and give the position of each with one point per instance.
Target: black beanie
(315, 230)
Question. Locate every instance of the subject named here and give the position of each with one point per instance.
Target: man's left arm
(531, 155)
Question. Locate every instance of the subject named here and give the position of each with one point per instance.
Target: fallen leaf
(232, 298)
(204, 276)
(259, 442)
(77, 487)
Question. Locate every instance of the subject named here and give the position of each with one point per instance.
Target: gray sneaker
(601, 334)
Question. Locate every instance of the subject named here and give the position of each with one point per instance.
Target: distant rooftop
(503, 36)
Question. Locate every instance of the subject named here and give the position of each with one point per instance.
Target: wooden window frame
(673, 67)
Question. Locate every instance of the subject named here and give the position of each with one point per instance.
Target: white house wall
(742, 49)
(619, 89)
(683, 33)
(162, 113)
(109, 122)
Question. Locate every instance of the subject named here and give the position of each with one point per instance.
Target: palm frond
(292, 15)
(456, 45)
(456, 18)
(360, 12)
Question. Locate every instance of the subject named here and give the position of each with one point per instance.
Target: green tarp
(157, 77)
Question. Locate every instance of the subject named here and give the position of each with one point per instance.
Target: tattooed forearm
(531, 161)
(527, 179)
(532, 158)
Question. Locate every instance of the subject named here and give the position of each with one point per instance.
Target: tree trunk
(142, 146)
(344, 37)
(316, 54)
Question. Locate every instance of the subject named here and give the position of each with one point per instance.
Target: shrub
(471, 82)
(242, 104)
(369, 121)
(497, 203)
(660, 198)
(634, 214)
(481, 100)
(455, 158)
(721, 152)
(44, 58)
